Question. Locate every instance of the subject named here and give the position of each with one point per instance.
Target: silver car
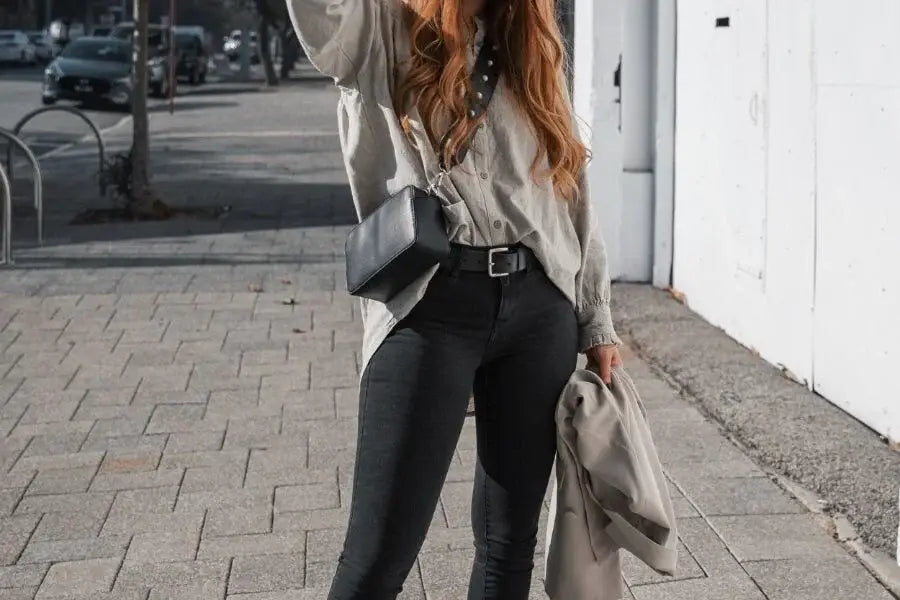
(43, 45)
(15, 47)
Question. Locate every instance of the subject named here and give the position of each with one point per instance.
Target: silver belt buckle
(491, 253)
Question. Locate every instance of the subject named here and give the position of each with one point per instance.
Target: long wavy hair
(532, 58)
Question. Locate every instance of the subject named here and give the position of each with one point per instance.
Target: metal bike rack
(100, 146)
(38, 186)
(6, 241)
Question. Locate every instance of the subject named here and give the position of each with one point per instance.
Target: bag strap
(484, 78)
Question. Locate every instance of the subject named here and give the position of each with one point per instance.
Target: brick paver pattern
(178, 406)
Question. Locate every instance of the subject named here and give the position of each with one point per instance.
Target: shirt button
(483, 175)
(497, 224)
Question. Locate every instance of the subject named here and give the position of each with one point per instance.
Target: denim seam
(362, 423)
(495, 325)
(484, 494)
(487, 536)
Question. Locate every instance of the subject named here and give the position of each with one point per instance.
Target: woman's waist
(492, 261)
(558, 256)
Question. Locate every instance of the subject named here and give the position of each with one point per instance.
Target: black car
(97, 70)
(192, 58)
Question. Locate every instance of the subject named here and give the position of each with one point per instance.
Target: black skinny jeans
(513, 340)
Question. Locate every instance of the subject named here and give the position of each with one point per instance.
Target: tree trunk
(143, 201)
(140, 142)
(265, 50)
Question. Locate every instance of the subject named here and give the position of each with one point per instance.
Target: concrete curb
(797, 434)
(882, 566)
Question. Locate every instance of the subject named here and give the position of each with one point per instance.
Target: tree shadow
(185, 105)
(220, 89)
(21, 73)
(273, 208)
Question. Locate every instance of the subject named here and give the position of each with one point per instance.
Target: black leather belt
(496, 262)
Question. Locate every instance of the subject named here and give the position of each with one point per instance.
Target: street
(21, 93)
(178, 399)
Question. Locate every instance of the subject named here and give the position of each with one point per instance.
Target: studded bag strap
(484, 78)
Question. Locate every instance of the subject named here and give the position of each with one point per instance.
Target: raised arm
(338, 35)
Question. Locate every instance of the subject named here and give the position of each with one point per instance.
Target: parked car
(205, 38)
(15, 47)
(232, 46)
(101, 31)
(44, 49)
(193, 61)
(97, 70)
(158, 40)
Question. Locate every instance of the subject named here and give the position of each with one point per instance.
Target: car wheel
(193, 78)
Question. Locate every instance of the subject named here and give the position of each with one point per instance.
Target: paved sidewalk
(178, 404)
(853, 472)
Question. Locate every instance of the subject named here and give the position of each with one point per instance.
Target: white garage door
(857, 297)
(720, 150)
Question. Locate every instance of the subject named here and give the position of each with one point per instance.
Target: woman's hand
(604, 358)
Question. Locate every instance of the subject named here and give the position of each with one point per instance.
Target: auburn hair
(532, 59)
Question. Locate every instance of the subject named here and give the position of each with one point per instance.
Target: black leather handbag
(406, 235)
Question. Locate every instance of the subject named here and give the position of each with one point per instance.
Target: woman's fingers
(606, 358)
(617, 357)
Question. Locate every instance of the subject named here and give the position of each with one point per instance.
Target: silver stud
(471, 113)
(484, 77)
(496, 46)
(490, 63)
(480, 96)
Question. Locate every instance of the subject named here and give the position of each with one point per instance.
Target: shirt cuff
(595, 327)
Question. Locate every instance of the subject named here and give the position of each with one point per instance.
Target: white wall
(786, 226)
(621, 134)
(598, 44)
(857, 316)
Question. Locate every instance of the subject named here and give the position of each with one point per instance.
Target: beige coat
(610, 491)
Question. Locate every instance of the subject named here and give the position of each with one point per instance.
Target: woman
(512, 334)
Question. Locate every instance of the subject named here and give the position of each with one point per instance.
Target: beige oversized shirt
(490, 199)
